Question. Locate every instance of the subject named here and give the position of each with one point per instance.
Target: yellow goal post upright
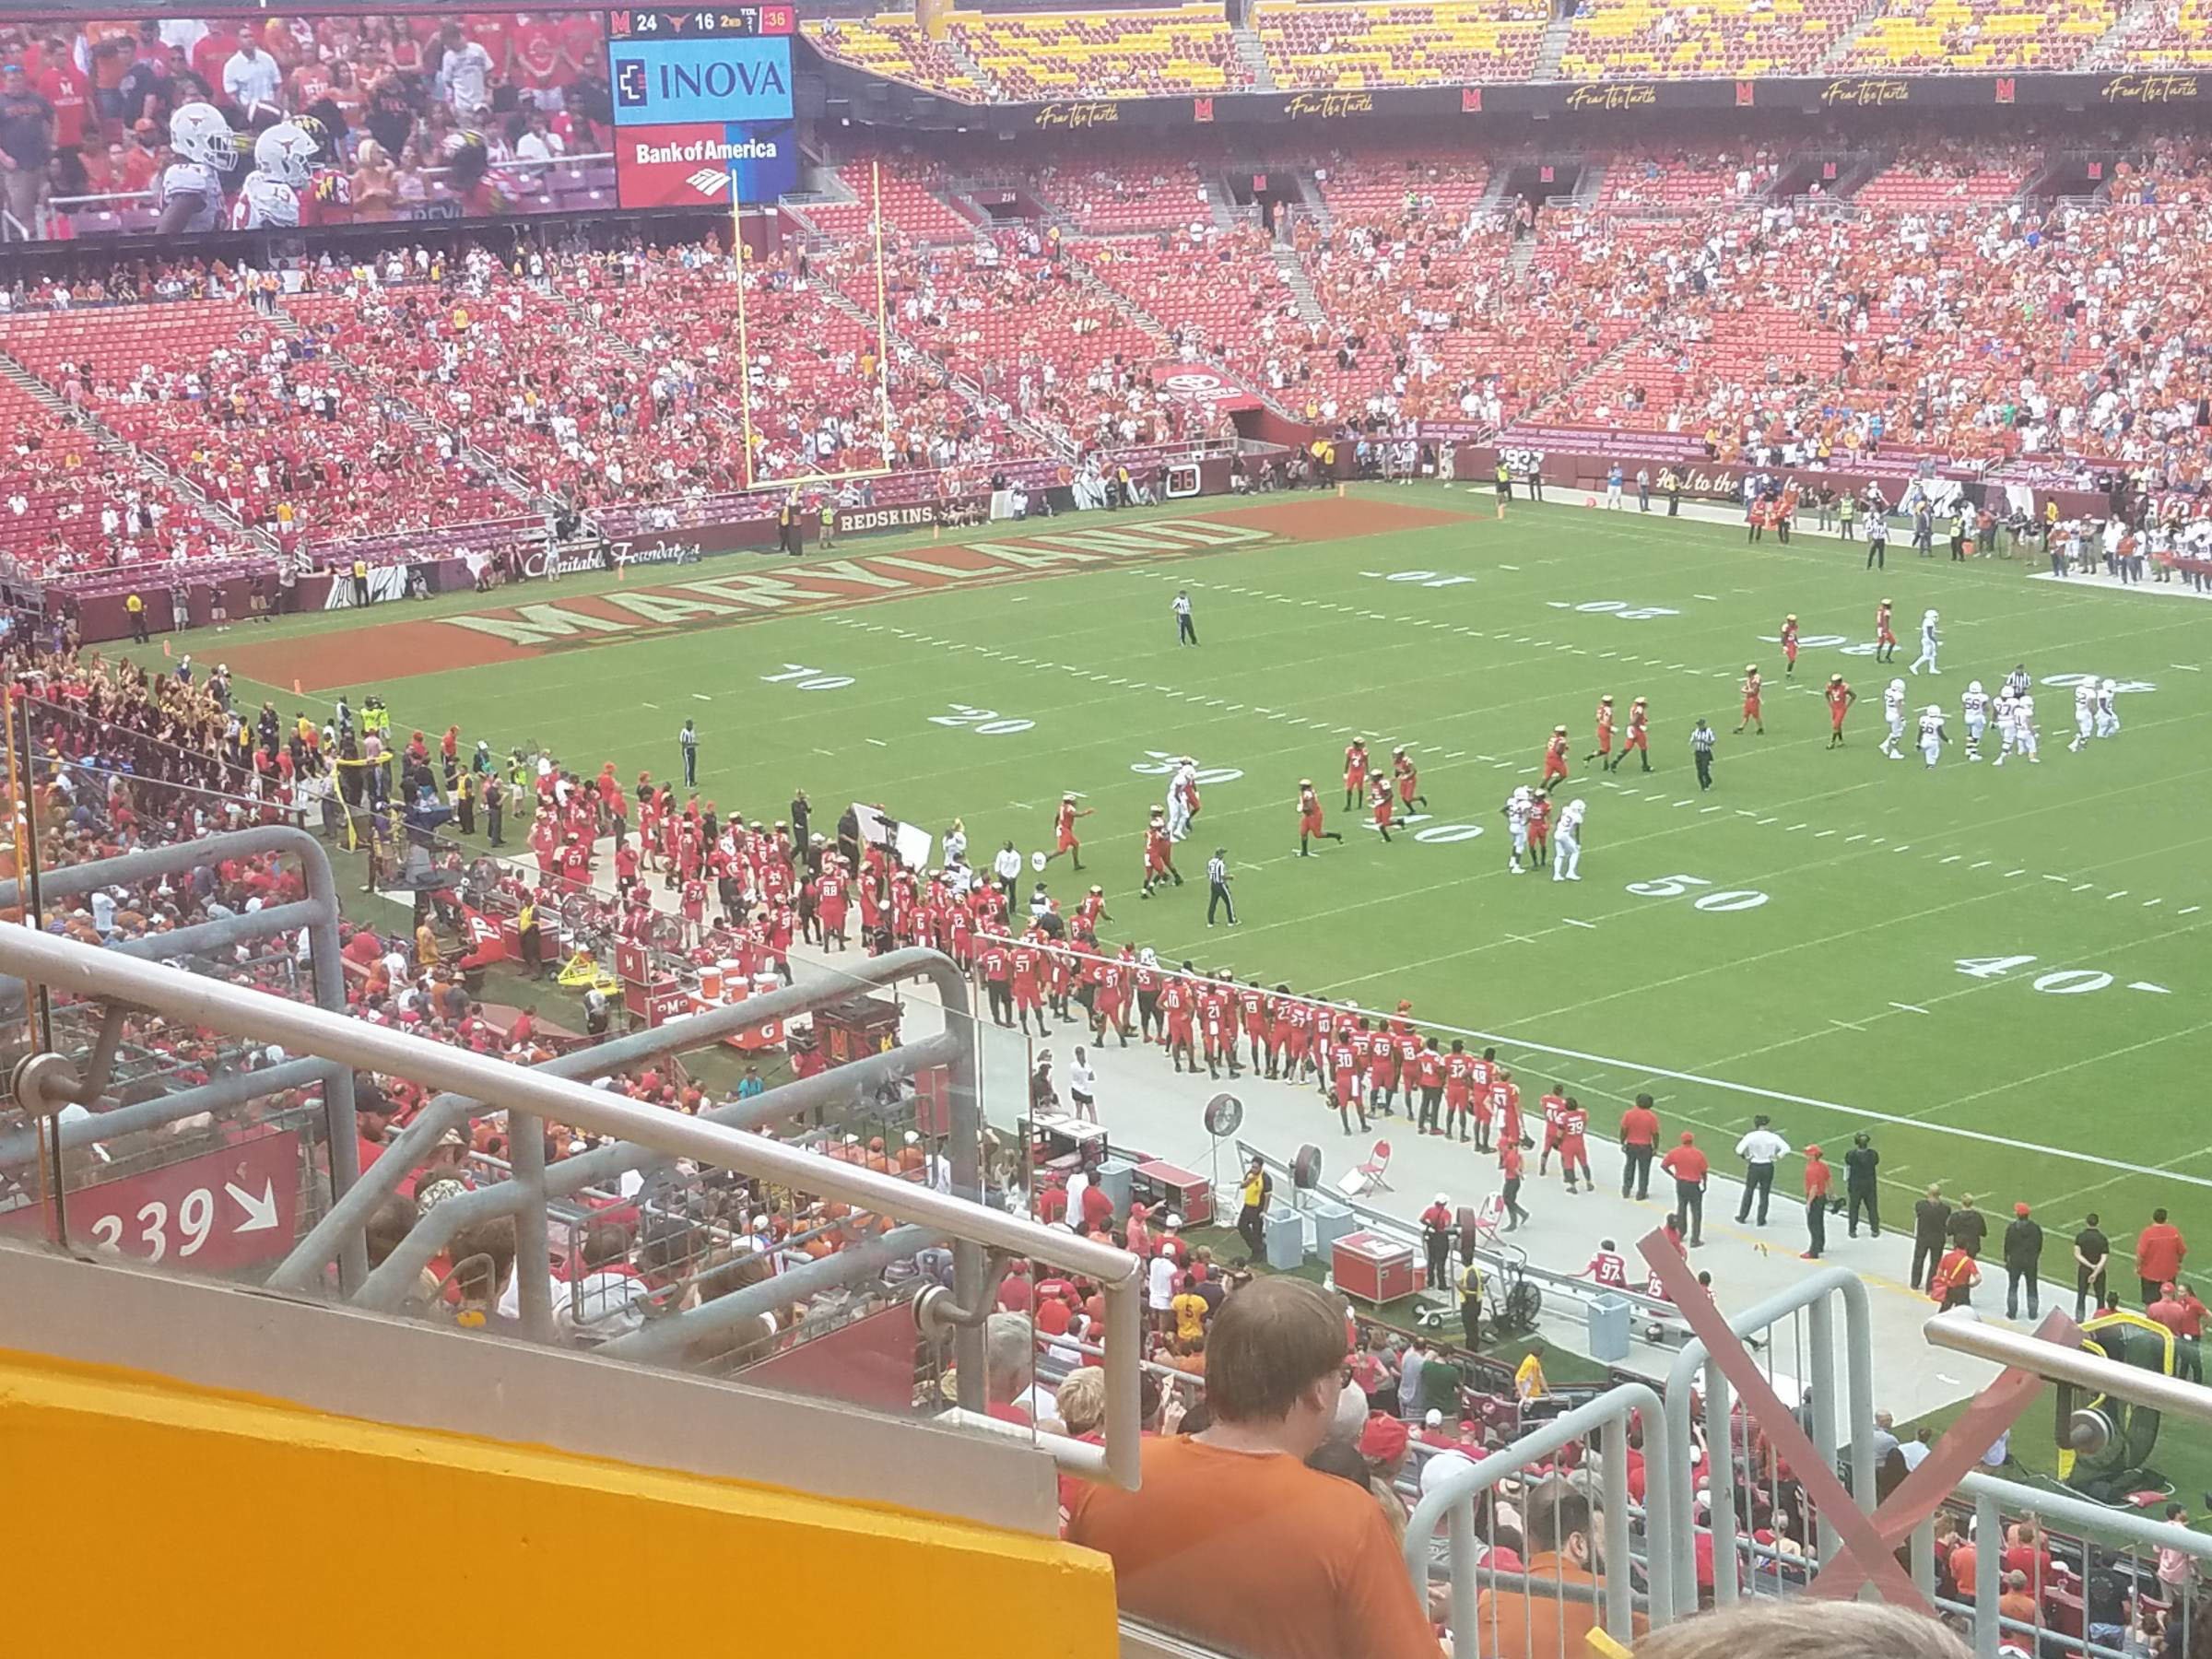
(745, 351)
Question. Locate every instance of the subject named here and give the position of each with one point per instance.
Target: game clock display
(711, 22)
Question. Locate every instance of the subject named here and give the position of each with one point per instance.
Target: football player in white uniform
(1180, 788)
(1932, 734)
(2023, 727)
(1519, 806)
(2108, 717)
(265, 205)
(1974, 705)
(2085, 716)
(2008, 722)
(191, 188)
(1569, 859)
(1928, 643)
(1893, 711)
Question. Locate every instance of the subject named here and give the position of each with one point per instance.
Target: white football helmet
(2107, 686)
(275, 204)
(1896, 684)
(198, 133)
(1927, 616)
(286, 152)
(1932, 709)
(1975, 687)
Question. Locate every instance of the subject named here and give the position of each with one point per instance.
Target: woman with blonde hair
(375, 182)
(1805, 1630)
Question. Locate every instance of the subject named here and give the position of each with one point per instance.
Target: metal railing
(1691, 1372)
(1452, 1500)
(530, 1097)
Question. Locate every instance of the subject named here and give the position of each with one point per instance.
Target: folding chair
(1367, 1177)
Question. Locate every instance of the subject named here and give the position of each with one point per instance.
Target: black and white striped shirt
(1217, 870)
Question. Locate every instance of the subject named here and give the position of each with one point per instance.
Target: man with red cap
(2023, 1262)
(1817, 1179)
(1688, 1165)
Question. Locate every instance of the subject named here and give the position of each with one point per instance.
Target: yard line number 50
(1675, 887)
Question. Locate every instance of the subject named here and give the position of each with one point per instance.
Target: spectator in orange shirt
(2159, 1249)
(1233, 1540)
(1561, 1530)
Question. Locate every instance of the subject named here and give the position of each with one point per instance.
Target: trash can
(1113, 1178)
(1331, 1222)
(1286, 1240)
(1609, 1329)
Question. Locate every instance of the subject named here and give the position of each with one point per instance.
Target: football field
(2002, 974)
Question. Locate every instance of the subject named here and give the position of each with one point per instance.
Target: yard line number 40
(2059, 982)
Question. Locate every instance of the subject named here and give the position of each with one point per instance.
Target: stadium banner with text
(1587, 103)
(657, 83)
(693, 164)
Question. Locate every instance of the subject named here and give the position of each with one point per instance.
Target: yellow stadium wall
(146, 1515)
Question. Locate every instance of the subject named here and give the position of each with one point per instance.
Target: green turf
(1877, 876)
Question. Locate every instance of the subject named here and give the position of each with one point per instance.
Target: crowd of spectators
(419, 108)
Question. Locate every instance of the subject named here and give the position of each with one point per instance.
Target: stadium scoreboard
(703, 104)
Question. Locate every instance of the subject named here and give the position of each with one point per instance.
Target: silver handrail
(70, 968)
(1452, 1499)
(2077, 1366)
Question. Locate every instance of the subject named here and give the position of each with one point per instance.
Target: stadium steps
(906, 352)
(1546, 405)
(1301, 288)
(1220, 204)
(1252, 55)
(950, 44)
(107, 439)
(1869, 13)
(1589, 184)
(1152, 325)
(1556, 35)
(2106, 51)
(417, 420)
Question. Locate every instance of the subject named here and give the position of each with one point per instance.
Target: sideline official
(1216, 883)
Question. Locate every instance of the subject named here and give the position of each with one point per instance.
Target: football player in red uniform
(1554, 1102)
(1539, 831)
(1178, 1006)
(1159, 855)
(1840, 698)
(1064, 830)
(1751, 691)
(1885, 636)
(1555, 758)
(1574, 1147)
(1110, 991)
(1409, 781)
(1344, 1080)
(1029, 986)
(1355, 772)
(1459, 1079)
(1789, 645)
(1309, 820)
(1379, 801)
(1602, 754)
(1639, 737)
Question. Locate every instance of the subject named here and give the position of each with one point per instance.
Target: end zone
(530, 627)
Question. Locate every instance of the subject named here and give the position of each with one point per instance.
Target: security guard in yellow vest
(1471, 1287)
(135, 607)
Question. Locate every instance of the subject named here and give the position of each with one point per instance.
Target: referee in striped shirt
(1216, 881)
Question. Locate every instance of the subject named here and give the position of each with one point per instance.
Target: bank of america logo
(708, 181)
(629, 84)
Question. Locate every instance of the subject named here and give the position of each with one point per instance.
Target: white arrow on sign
(261, 1213)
